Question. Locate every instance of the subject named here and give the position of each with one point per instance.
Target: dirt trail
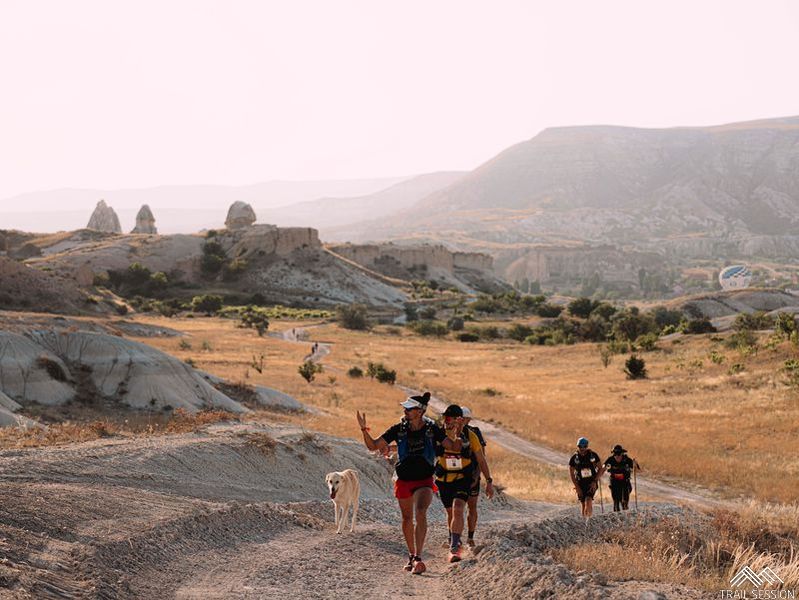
(528, 449)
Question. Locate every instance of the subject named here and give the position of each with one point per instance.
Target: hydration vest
(403, 446)
(466, 452)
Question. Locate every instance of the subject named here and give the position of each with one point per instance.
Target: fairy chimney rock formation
(104, 219)
(240, 216)
(145, 221)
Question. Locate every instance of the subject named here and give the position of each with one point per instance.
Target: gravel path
(514, 443)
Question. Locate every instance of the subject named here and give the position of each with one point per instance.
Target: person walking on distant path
(417, 439)
(474, 491)
(585, 469)
(454, 473)
(620, 467)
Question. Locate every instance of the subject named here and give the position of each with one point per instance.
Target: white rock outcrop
(133, 373)
(104, 219)
(239, 216)
(145, 221)
(29, 373)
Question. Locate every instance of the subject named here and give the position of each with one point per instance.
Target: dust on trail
(540, 453)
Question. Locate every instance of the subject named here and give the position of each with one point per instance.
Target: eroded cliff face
(573, 264)
(264, 240)
(400, 261)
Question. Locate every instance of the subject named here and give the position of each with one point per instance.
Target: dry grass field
(694, 419)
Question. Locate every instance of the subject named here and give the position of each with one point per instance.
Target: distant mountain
(732, 186)
(177, 208)
(327, 214)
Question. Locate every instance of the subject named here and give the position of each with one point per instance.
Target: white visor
(467, 414)
(411, 403)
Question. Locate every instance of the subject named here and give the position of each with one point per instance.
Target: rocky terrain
(24, 288)
(222, 512)
(466, 271)
(68, 362)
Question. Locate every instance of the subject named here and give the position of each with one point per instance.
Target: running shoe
(455, 555)
(418, 567)
(409, 566)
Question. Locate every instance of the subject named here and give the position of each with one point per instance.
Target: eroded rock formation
(104, 219)
(145, 221)
(240, 216)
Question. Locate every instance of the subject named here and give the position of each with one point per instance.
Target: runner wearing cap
(585, 469)
(620, 467)
(454, 473)
(474, 491)
(417, 439)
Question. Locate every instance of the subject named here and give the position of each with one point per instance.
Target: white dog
(345, 491)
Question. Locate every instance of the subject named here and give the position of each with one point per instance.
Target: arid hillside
(730, 189)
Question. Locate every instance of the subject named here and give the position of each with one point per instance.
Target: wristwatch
(489, 480)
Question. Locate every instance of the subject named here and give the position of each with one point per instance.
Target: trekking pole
(635, 485)
(601, 500)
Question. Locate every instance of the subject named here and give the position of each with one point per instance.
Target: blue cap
(582, 443)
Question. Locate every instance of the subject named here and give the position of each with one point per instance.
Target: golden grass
(690, 420)
(529, 479)
(705, 556)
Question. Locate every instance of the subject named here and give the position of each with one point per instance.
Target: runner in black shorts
(454, 474)
(585, 469)
(474, 491)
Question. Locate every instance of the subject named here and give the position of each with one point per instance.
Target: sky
(112, 94)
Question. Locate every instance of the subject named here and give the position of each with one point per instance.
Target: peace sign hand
(361, 420)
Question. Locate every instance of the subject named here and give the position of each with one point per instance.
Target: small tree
(428, 313)
(308, 370)
(254, 318)
(635, 368)
(411, 314)
(352, 316)
(605, 355)
(207, 303)
(582, 307)
(549, 311)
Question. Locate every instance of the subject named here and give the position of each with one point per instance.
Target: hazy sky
(125, 94)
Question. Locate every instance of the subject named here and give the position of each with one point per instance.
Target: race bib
(453, 463)
(586, 473)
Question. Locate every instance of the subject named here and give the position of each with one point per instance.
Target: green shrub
(411, 314)
(594, 329)
(519, 332)
(752, 322)
(308, 370)
(635, 368)
(429, 328)
(647, 342)
(735, 369)
(213, 259)
(630, 324)
(744, 338)
(355, 372)
(604, 310)
(582, 307)
(665, 317)
(468, 336)
(208, 303)
(785, 324)
(382, 374)
(698, 326)
(254, 317)
(455, 324)
(549, 311)
(352, 316)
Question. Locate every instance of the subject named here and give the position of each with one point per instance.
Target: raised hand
(361, 420)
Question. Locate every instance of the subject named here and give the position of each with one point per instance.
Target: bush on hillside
(635, 368)
(352, 316)
(582, 307)
(207, 303)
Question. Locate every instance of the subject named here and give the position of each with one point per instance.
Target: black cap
(617, 449)
(453, 410)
